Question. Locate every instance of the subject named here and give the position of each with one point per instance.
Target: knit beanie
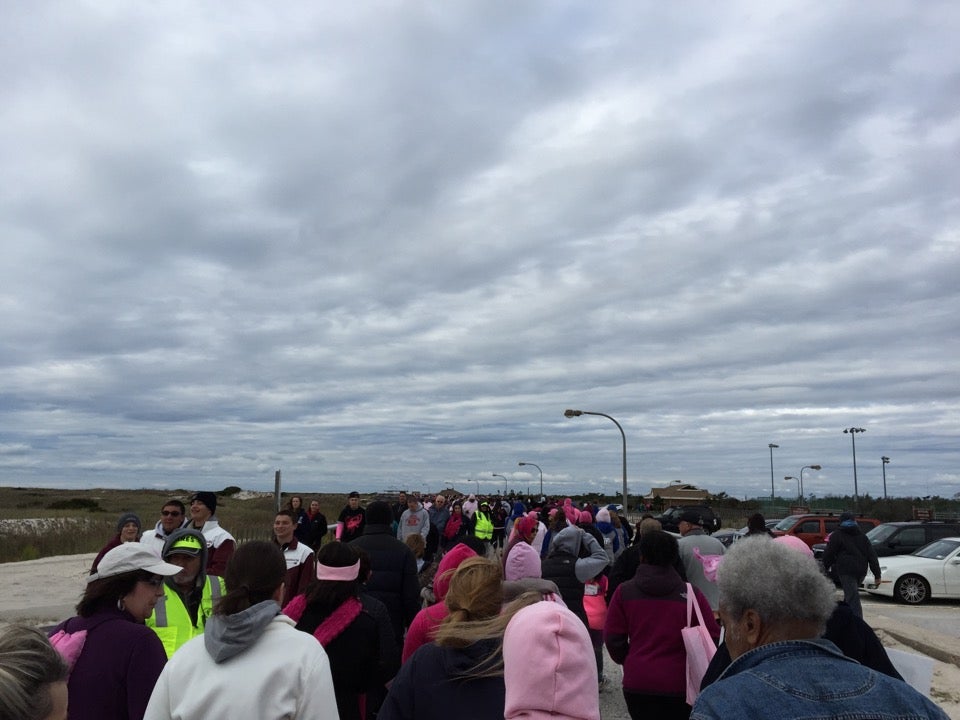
(561, 682)
(527, 526)
(208, 499)
(603, 515)
(128, 517)
(586, 518)
(522, 562)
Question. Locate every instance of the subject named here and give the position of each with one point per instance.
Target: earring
(120, 605)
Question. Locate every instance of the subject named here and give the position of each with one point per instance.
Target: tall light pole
(805, 467)
(853, 439)
(884, 460)
(578, 413)
(504, 482)
(478, 488)
(791, 477)
(541, 474)
(771, 446)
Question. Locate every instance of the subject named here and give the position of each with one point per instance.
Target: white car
(931, 571)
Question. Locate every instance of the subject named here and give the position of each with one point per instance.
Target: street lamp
(853, 439)
(884, 460)
(771, 446)
(791, 477)
(541, 474)
(811, 467)
(504, 482)
(478, 487)
(578, 413)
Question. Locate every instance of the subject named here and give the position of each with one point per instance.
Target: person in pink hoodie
(429, 618)
(548, 666)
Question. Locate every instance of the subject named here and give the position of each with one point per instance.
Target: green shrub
(230, 490)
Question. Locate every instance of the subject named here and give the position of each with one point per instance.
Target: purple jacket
(117, 669)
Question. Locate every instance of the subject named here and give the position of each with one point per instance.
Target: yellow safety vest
(171, 621)
(483, 527)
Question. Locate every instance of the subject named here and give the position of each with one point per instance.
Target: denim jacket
(808, 679)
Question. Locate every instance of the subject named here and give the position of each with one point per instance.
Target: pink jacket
(428, 620)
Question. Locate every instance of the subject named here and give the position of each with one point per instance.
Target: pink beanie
(561, 681)
(585, 517)
(795, 543)
(522, 562)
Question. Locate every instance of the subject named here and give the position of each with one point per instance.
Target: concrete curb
(939, 647)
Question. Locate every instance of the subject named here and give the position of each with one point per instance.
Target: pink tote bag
(699, 646)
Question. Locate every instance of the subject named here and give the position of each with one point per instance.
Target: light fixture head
(773, 445)
(814, 467)
(572, 413)
(885, 459)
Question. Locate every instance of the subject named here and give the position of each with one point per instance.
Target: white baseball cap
(129, 557)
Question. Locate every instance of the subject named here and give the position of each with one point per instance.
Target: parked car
(902, 538)
(931, 571)
(769, 524)
(728, 537)
(670, 518)
(813, 528)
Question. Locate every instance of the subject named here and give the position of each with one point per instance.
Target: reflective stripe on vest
(483, 528)
(171, 621)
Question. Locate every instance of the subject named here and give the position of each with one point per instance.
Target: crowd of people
(431, 607)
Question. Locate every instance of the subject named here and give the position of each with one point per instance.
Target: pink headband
(350, 572)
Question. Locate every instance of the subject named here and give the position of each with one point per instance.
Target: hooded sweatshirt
(564, 566)
(413, 522)
(434, 684)
(428, 620)
(250, 664)
(522, 573)
(549, 666)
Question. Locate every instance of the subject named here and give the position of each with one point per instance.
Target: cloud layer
(387, 245)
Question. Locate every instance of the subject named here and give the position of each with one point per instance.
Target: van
(813, 528)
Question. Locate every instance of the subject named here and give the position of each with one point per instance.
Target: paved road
(942, 616)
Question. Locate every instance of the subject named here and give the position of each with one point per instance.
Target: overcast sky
(386, 244)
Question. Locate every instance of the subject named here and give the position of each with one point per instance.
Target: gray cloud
(388, 245)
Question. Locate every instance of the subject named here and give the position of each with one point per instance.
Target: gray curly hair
(777, 582)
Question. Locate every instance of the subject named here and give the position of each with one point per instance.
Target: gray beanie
(128, 517)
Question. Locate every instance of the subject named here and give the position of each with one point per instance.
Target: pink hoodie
(522, 562)
(549, 667)
(427, 620)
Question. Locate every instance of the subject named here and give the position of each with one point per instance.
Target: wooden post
(276, 490)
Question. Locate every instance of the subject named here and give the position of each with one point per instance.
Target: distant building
(677, 493)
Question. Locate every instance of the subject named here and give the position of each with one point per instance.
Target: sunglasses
(168, 513)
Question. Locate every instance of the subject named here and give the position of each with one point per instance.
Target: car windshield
(938, 549)
(786, 523)
(880, 533)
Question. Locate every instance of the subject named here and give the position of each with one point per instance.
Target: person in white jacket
(250, 661)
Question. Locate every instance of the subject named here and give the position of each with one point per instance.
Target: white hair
(775, 581)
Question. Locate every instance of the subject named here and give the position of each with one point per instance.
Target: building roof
(677, 493)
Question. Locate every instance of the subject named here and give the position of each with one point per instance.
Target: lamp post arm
(624, 438)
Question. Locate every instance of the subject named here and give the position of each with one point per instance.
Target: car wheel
(912, 590)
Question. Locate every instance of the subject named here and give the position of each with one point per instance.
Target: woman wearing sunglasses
(115, 659)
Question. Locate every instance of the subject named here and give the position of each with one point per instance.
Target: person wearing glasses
(115, 658)
(189, 596)
(173, 515)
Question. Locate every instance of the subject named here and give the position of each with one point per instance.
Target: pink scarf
(338, 621)
(452, 526)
